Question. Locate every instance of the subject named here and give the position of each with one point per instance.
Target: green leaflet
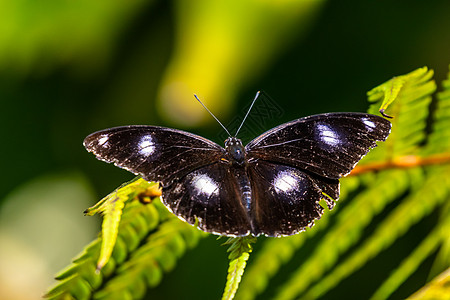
(410, 111)
(398, 87)
(110, 226)
(240, 250)
(111, 208)
(235, 272)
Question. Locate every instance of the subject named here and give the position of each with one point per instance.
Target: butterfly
(272, 186)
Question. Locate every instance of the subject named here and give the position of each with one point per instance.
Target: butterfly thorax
(236, 150)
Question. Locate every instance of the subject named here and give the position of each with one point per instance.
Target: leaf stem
(408, 161)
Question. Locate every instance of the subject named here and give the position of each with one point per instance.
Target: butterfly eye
(237, 152)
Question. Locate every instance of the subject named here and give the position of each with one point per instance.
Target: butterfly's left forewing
(155, 153)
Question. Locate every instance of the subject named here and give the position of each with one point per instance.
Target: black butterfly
(272, 186)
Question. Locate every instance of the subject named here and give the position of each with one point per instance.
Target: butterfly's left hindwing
(155, 153)
(212, 198)
(328, 145)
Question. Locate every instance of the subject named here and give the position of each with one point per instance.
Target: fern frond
(410, 111)
(438, 145)
(149, 242)
(240, 250)
(439, 139)
(266, 264)
(439, 288)
(111, 208)
(427, 246)
(409, 212)
(442, 260)
(145, 266)
(347, 231)
(110, 228)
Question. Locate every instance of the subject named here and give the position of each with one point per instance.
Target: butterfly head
(235, 149)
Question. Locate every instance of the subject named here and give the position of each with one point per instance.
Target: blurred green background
(70, 68)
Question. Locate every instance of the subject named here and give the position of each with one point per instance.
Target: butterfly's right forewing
(328, 145)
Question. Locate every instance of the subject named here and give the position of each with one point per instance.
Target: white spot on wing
(203, 184)
(285, 182)
(328, 135)
(103, 140)
(146, 145)
(369, 124)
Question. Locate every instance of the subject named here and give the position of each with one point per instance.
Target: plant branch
(408, 161)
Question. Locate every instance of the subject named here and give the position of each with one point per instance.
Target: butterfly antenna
(256, 97)
(212, 115)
